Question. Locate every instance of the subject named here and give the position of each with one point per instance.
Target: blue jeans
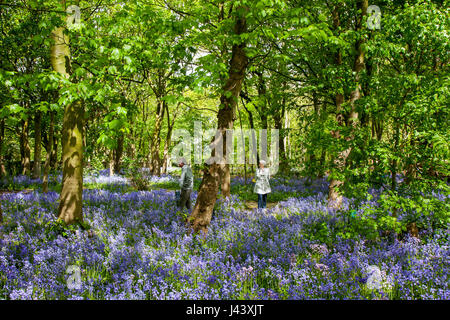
(262, 200)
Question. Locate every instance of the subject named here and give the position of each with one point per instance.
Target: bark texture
(70, 201)
(209, 187)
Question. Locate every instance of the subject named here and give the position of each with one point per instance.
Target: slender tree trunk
(132, 145)
(70, 201)
(394, 160)
(262, 95)
(118, 152)
(2, 138)
(49, 152)
(334, 195)
(37, 145)
(156, 142)
(111, 162)
(278, 118)
(243, 145)
(25, 148)
(54, 153)
(252, 127)
(281, 140)
(170, 125)
(323, 116)
(209, 187)
(312, 149)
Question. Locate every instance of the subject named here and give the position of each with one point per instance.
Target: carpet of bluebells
(137, 247)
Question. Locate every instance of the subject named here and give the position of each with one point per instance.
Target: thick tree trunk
(225, 180)
(37, 145)
(334, 195)
(25, 148)
(70, 201)
(70, 206)
(209, 187)
(49, 152)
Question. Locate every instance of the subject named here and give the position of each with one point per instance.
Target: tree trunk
(70, 207)
(54, 154)
(394, 160)
(225, 179)
(166, 151)
(278, 118)
(70, 201)
(323, 117)
(243, 145)
(25, 148)
(118, 152)
(334, 195)
(49, 152)
(262, 95)
(111, 162)
(209, 187)
(2, 138)
(252, 127)
(156, 142)
(37, 145)
(170, 125)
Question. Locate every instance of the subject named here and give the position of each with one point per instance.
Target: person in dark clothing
(186, 184)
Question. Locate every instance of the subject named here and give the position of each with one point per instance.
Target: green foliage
(55, 228)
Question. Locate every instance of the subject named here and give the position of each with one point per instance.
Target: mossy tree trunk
(70, 201)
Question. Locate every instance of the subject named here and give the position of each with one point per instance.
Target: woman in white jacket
(262, 186)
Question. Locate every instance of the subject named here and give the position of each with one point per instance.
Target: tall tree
(70, 201)
(200, 217)
(2, 138)
(25, 150)
(37, 144)
(49, 152)
(334, 194)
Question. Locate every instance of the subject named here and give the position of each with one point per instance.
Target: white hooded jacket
(262, 185)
